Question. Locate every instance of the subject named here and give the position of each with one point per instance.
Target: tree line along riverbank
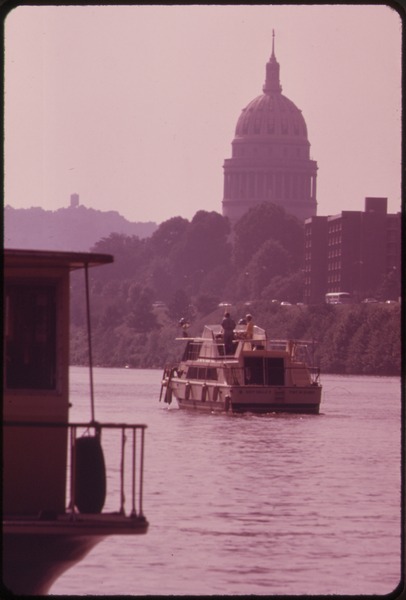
(348, 339)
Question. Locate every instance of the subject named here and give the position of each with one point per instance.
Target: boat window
(30, 336)
(192, 350)
(274, 371)
(192, 373)
(202, 373)
(211, 373)
(260, 370)
(253, 370)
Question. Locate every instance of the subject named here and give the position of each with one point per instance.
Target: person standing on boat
(249, 331)
(228, 325)
(185, 325)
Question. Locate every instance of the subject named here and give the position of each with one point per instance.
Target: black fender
(90, 475)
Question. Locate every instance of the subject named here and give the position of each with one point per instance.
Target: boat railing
(196, 350)
(200, 349)
(124, 466)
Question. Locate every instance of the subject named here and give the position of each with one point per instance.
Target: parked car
(286, 304)
(369, 300)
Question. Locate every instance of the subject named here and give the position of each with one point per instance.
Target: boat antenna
(89, 339)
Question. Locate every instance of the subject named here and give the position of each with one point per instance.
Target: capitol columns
(313, 181)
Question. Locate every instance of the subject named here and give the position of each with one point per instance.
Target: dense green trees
(185, 269)
(267, 222)
(358, 339)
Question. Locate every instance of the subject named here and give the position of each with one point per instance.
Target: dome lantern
(272, 83)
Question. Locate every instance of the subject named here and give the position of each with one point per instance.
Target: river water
(253, 504)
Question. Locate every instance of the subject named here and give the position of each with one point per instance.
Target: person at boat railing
(228, 325)
(249, 329)
(185, 326)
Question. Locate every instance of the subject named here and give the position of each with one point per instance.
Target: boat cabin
(47, 459)
(256, 361)
(36, 389)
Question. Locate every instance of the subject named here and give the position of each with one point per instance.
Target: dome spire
(272, 83)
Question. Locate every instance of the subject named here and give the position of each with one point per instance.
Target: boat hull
(278, 399)
(255, 399)
(36, 553)
(31, 564)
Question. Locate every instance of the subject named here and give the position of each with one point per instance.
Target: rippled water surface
(253, 504)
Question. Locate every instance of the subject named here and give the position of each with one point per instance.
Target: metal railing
(131, 476)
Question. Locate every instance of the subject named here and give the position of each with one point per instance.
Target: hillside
(75, 228)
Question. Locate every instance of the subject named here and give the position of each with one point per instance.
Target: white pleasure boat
(259, 375)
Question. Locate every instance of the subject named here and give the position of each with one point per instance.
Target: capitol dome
(272, 115)
(270, 155)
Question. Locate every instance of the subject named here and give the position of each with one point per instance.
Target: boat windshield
(210, 332)
(259, 333)
(214, 332)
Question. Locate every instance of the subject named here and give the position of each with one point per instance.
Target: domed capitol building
(270, 155)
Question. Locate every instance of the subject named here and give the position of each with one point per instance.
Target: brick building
(353, 251)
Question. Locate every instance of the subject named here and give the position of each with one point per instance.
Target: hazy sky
(134, 107)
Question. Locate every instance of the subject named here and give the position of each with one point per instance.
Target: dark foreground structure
(54, 476)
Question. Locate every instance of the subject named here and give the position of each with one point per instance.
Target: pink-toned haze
(134, 107)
